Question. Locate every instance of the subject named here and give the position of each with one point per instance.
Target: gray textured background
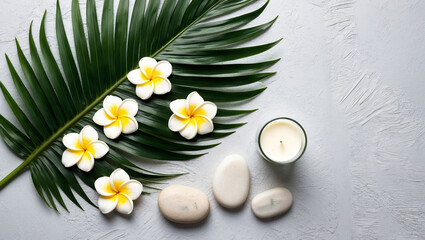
(352, 72)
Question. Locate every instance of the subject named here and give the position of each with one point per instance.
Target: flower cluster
(191, 116)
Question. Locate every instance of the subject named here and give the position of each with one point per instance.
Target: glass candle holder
(281, 140)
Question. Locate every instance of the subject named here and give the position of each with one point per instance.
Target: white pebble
(231, 182)
(183, 204)
(272, 202)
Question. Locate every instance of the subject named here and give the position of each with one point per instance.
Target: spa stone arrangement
(231, 184)
(280, 141)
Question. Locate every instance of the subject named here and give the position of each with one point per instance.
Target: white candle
(282, 140)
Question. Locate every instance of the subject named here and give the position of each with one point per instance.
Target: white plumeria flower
(83, 148)
(117, 191)
(151, 77)
(192, 116)
(117, 116)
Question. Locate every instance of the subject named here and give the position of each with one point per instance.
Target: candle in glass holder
(282, 140)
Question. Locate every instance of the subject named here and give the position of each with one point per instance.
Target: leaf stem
(15, 172)
(59, 133)
(188, 26)
(70, 123)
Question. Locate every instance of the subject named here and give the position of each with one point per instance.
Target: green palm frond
(63, 93)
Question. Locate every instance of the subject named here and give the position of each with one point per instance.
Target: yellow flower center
(146, 77)
(148, 74)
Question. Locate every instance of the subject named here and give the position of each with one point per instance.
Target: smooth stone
(182, 204)
(272, 203)
(231, 182)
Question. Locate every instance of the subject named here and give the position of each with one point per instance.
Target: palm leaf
(63, 93)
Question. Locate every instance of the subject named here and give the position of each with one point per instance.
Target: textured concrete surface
(352, 72)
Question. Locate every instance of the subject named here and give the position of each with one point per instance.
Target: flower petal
(193, 100)
(107, 204)
(98, 149)
(128, 107)
(205, 125)
(86, 163)
(103, 187)
(71, 157)
(207, 109)
(190, 130)
(101, 118)
(178, 107)
(110, 104)
(162, 68)
(118, 177)
(113, 130)
(129, 124)
(136, 77)
(144, 91)
(177, 123)
(125, 204)
(147, 64)
(161, 85)
(88, 135)
(132, 188)
(72, 141)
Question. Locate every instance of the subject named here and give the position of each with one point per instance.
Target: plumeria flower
(151, 77)
(83, 148)
(117, 116)
(192, 116)
(117, 191)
